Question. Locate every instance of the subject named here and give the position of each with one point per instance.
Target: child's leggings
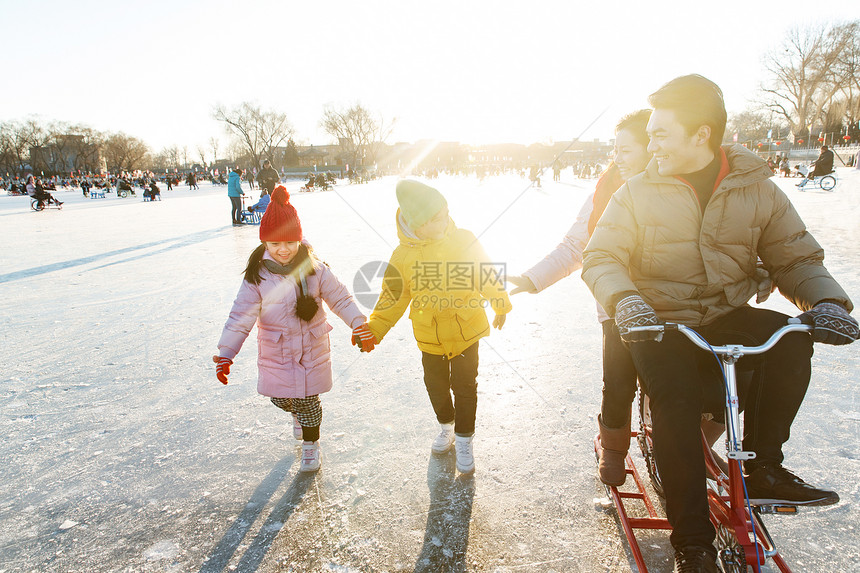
(458, 375)
(307, 410)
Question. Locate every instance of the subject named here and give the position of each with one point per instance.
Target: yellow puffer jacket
(447, 283)
(694, 267)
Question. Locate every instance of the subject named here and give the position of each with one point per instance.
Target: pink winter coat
(294, 356)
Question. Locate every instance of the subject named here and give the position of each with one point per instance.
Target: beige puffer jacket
(692, 267)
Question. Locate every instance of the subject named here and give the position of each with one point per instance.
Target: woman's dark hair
(255, 261)
(635, 123)
(696, 101)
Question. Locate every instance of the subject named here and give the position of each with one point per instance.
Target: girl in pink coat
(284, 284)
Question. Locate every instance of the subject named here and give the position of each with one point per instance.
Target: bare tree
(167, 158)
(260, 131)
(201, 153)
(358, 132)
(754, 125)
(750, 125)
(17, 139)
(848, 72)
(380, 136)
(58, 147)
(213, 143)
(89, 149)
(8, 161)
(804, 78)
(124, 153)
(173, 156)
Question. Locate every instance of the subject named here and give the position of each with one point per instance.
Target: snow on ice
(117, 430)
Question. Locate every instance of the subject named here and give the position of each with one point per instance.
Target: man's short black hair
(696, 101)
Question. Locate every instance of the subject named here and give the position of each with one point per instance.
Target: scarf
(300, 267)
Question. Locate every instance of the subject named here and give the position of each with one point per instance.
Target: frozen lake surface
(122, 452)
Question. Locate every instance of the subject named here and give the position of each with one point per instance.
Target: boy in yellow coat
(446, 279)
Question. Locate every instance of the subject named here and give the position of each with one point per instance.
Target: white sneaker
(310, 457)
(444, 440)
(297, 428)
(465, 456)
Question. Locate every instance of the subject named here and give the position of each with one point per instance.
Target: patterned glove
(832, 324)
(363, 338)
(222, 368)
(632, 311)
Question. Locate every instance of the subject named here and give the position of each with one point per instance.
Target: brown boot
(614, 444)
(712, 432)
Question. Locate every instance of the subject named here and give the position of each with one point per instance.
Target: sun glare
(425, 149)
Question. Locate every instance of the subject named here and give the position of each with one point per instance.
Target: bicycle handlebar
(794, 326)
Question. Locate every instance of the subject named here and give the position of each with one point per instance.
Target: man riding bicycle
(822, 166)
(36, 191)
(680, 243)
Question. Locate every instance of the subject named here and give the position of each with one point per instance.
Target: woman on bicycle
(619, 374)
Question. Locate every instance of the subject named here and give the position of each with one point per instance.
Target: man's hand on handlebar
(631, 311)
(831, 324)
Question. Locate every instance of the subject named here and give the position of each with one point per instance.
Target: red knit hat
(280, 221)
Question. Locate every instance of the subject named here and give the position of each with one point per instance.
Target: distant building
(312, 156)
(309, 155)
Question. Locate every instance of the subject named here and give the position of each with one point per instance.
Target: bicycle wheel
(36, 205)
(828, 182)
(646, 446)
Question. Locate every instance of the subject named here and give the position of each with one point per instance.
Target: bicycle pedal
(777, 509)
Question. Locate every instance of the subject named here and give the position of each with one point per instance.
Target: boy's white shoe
(444, 440)
(297, 428)
(465, 457)
(310, 457)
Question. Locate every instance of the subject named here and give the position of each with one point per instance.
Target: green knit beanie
(418, 202)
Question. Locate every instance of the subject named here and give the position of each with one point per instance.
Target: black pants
(236, 213)
(44, 198)
(619, 378)
(442, 376)
(776, 389)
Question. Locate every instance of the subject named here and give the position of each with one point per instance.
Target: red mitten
(222, 368)
(363, 338)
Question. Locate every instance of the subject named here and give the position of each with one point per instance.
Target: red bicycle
(743, 542)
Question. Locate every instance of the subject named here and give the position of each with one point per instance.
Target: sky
(471, 71)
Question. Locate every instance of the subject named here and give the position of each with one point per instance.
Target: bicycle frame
(742, 539)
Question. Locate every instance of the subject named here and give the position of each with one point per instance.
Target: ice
(161, 550)
(110, 311)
